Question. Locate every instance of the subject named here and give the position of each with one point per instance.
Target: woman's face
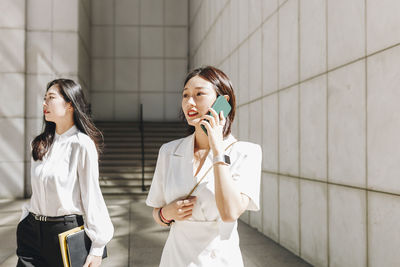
(197, 97)
(55, 108)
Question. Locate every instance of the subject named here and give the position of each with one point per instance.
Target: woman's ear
(226, 97)
(70, 107)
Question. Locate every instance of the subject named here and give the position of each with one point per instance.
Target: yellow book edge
(62, 238)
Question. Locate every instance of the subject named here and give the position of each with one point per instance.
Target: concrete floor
(138, 241)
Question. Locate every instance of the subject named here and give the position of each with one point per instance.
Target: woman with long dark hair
(65, 181)
(205, 181)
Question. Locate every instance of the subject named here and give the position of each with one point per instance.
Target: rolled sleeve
(156, 197)
(248, 175)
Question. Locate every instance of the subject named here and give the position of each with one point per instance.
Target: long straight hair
(72, 93)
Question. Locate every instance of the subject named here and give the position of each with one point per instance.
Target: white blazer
(204, 239)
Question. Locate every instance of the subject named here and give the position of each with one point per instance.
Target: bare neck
(62, 127)
(200, 139)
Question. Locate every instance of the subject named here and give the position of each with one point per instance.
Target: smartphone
(219, 105)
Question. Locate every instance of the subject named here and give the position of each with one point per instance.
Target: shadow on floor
(138, 240)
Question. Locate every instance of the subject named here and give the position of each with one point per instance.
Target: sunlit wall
(139, 56)
(317, 82)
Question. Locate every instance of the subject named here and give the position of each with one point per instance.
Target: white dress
(203, 240)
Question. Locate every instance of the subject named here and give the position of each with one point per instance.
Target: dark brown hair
(222, 85)
(73, 94)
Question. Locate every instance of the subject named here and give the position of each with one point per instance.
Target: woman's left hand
(215, 130)
(92, 261)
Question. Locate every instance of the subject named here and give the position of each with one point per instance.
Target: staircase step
(145, 126)
(125, 197)
(124, 182)
(128, 175)
(148, 132)
(126, 162)
(119, 132)
(133, 123)
(121, 162)
(126, 169)
(118, 144)
(155, 139)
(134, 150)
(128, 156)
(123, 190)
(130, 142)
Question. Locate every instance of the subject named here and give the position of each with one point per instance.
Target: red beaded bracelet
(163, 219)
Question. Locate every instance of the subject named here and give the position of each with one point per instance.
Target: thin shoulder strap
(205, 174)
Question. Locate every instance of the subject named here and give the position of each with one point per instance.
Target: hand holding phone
(220, 104)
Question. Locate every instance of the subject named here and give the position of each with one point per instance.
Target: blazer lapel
(181, 168)
(185, 147)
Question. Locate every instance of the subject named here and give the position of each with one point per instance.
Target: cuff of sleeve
(96, 251)
(253, 204)
(154, 204)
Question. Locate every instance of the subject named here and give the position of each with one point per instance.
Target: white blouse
(204, 239)
(66, 182)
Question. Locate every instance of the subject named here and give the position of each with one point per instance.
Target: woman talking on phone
(64, 177)
(205, 181)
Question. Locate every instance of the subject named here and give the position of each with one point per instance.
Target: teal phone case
(219, 105)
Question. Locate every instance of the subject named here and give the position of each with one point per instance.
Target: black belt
(66, 218)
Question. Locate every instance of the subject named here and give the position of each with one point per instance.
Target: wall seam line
(278, 109)
(366, 137)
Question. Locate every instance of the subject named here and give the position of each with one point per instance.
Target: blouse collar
(71, 131)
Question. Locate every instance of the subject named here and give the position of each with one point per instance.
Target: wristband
(224, 159)
(163, 219)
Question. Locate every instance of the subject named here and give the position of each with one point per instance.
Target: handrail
(141, 127)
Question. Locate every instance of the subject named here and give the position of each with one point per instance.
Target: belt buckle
(40, 218)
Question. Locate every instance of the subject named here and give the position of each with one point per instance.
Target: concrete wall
(12, 97)
(139, 55)
(40, 40)
(325, 75)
